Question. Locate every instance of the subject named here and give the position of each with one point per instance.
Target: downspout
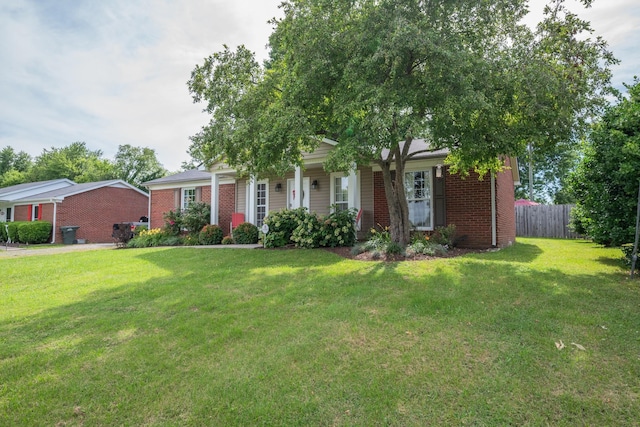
(494, 226)
(55, 212)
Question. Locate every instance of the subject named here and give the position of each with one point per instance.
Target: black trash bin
(69, 234)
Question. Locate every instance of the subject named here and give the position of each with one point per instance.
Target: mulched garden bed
(369, 256)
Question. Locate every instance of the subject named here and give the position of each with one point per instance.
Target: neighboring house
(94, 206)
(482, 210)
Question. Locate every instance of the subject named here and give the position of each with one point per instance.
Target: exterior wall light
(314, 184)
(438, 171)
(278, 187)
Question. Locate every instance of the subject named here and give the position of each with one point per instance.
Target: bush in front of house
(307, 234)
(3, 232)
(154, 237)
(172, 222)
(210, 235)
(227, 240)
(245, 234)
(196, 216)
(31, 232)
(34, 232)
(312, 230)
(445, 236)
(281, 225)
(13, 230)
(338, 228)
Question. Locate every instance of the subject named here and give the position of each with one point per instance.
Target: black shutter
(439, 208)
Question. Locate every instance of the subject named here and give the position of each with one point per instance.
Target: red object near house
(237, 218)
(525, 202)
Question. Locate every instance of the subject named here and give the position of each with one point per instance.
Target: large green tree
(136, 165)
(14, 166)
(606, 181)
(75, 162)
(374, 75)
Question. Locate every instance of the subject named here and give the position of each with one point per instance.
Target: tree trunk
(399, 227)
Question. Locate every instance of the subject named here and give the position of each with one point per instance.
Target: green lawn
(188, 336)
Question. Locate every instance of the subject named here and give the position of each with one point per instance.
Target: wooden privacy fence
(544, 221)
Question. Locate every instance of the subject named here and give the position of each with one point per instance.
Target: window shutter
(198, 194)
(40, 212)
(30, 214)
(176, 198)
(439, 208)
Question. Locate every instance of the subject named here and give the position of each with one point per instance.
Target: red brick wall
(380, 206)
(468, 206)
(162, 201)
(505, 212)
(96, 211)
(21, 213)
(226, 206)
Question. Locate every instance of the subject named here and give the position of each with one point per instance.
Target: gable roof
(190, 175)
(19, 191)
(29, 193)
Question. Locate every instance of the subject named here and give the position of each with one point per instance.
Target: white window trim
(266, 201)
(182, 198)
(332, 189)
(34, 211)
(429, 171)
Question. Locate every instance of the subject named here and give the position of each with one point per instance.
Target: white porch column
(353, 188)
(297, 187)
(215, 191)
(251, 199)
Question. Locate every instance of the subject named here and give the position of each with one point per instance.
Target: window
(35, 213)
(418, 191)
(261, 202)
(341, 193)
(9, 215)
(188, 197)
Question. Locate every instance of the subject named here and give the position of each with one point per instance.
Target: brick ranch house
(93, 206)
(482, 210)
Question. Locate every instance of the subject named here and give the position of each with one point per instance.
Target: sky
(115, 72)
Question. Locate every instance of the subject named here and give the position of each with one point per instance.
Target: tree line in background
(78, 163)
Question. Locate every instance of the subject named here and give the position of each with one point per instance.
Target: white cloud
(114, 72)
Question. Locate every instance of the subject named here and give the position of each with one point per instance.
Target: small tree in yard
(376, 75)
(606, 181)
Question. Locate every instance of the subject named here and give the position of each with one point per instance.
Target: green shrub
(393, 248)
(445, 236)
(3, 232)
(308, 232)
(627, 251)
(139, 228)
(281, 225)
(13, 230)
(34, 232)
(426, 247)
(227, 240)
(338, 228)
(245, 234)
(211, 235)
(154, 237)
(172, 222)
(196, 216)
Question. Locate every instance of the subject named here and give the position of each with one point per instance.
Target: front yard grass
(186, 336)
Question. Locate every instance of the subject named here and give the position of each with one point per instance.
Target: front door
(291, 192)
